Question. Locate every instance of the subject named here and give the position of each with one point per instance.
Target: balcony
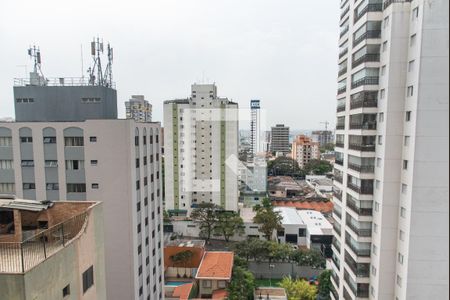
(340, 108)
(339, 161)
(363, 252)
(339, 179)
(337, 227)
(337, 213)
(364, 125)
(361, 147)
(339, 144)
(337, 194)
(369, 34)
(343, 52)
(336, 244)
(368, 80)
(333, 290)
(361, 168)
(360, 290)
(340, 126)
(364, 190)
(336, 262)
(368, 8)
(368, 57)
(342, 71)
(387, 3)
(359, 210)
(344, 12)
(341, 90)
(364, 99)
(359, 231)
(359, 269)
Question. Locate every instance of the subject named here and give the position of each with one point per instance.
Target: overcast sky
(283, 52)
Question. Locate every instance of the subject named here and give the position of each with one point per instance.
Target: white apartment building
(391, 173)
(201, 148)
(116, 162)
(138, 108)
(255, 126)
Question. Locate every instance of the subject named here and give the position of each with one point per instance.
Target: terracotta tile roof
(183, 291)
(219, 294)
(322, 206)
(216, 265)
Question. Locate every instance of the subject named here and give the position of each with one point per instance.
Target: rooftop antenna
(96, 49)
(326, 125)
(108, 70)
(82, 65)
(35, 54)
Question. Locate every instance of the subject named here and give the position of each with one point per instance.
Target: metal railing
(59, 81)
(364, 125)
(340, 108)
(359, 231)
(359, 269)
(364, 100)
(359, 252)
(365, 190)
(342, 71)
(341, 90)
(368, 57)
(19, 257)
(339, 144)
(369, 34)
(359, 210)
(337, 160)
(337, 227)
(362, 147)
(361, 168)
(368, 80)
(368, 8)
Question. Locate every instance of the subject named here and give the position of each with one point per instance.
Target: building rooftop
(186, 243)
(216, 265)
(315, 221)
(325, 207)
(182, 292)
(219, 294)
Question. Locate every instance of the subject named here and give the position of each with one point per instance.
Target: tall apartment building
(138, 108)
(279, 139)
(255, 127)
(304, 150)
(51, 250)
(201, 151)
(391, 172)
(323, 137)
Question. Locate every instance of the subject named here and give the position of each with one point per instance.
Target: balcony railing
(337, 213)
(359, 231)
(336, 262)
(339, 161)
(340, 126)
(343, 52)
(370, 7)
(359, 269)
(364, 125)
(344, 31)
(365, 100)
(337, 194)
(20, 257)
(340, 108)
(342, 71)
(359, 289)
(361, 147)
(365, 190)
(361, 168)
(369, 34)
(389, 2)
(358, 251)
(344, 12)
(341, 90)
(368, 80)
(333, 290)
(336, 244)
(359, 210)
(337, 227)
(368, 57)
(339, 144)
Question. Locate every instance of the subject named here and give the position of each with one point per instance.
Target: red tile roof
(219, 294)
(183, 291)
(216, 265)
(322, 206)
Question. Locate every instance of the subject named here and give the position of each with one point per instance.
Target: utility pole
(326, 125)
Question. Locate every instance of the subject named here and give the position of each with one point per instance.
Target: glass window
(88, 279)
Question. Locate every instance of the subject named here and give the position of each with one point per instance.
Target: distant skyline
(281, 52)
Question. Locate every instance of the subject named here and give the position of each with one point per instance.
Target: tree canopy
(318, 167)
(205, 215)
(268, 219)
(242, 285)
(228, 224)
(283, 165)
(324, 285)
(298, 289)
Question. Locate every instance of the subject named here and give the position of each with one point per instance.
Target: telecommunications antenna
(35, 55)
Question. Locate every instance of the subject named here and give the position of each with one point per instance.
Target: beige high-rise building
(51, 250)
(138, 108)
(304, 150)
(391, 204)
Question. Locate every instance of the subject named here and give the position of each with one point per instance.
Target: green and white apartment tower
(201, 146)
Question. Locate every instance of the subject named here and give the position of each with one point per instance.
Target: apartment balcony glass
(337, 227)
(361, 207)
(365, 7)
(340, 105)
(342, 86)
(338, 175)
(359, 248)
(336, 244)
(364, 99)
(363, 121)
(367, 76)
(344, 28)
(362, 229)
(365, 143)
(347, 295)
(343, 48)
(337, 193)
(340, 123)
(344, 12)
(339, 140)
(361, 186)
(368, 53)
(361, 164)
(333, 290)
(359, 289)
(359, 269)
(342, 68)
(370, 30)
(337, 210)
(339, 158)
(336, 261)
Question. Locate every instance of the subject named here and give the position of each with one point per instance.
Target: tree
(228, 224)
(318, 167)
(283, 166)
(298, 289)
(205, 215)
(279, 252)
(268, 219)
(324, 285)
(242, 285)
(307, 257)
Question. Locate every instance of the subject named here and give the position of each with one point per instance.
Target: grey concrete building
(279, 139)
(138, 108)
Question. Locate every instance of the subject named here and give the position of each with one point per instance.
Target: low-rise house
(214, 274)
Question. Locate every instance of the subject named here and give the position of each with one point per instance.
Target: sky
(283, 52)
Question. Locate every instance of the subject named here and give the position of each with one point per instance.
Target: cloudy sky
(282, 52)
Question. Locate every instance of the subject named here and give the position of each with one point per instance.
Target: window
(374, 249)
(383, 70)
(415, 13)
(412, 40)
(401, 235)
(386, 22)
(381, 117)
(222, 284)
(7, 187)
(410, 91)
(76, 188)
(374, 271)
(94, 162)
(24, 100)
(380, 140)
(138, 206)
(399, 280)
(66, 291)
(26, 139)
(27, 163)
(51, 163)
(90, 100)
(88, 279)
(378, 162)
(405, 164)
(206, 283)
(49, 139)
(377, 206)
(411, 66)
(5, 141)
(403, 212)
(94, 186)
(406, 140)
(400, 258)
(138, 184)
(408, 116)
(6, 164)
(382, 93)
(29, 186)
(301, 232)
(73, 141)
(93, 139)
(52, 186)
(404, 188)
(74, 164)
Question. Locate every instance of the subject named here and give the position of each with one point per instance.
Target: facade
(62, 100)
(114, 161)
(138, 108)
(391, 168)
(51, 250)
(304, 150)
(201, 151)
(255, 127)
(323, 137)
(279, 139)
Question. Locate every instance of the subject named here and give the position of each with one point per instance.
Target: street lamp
(271, 266)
